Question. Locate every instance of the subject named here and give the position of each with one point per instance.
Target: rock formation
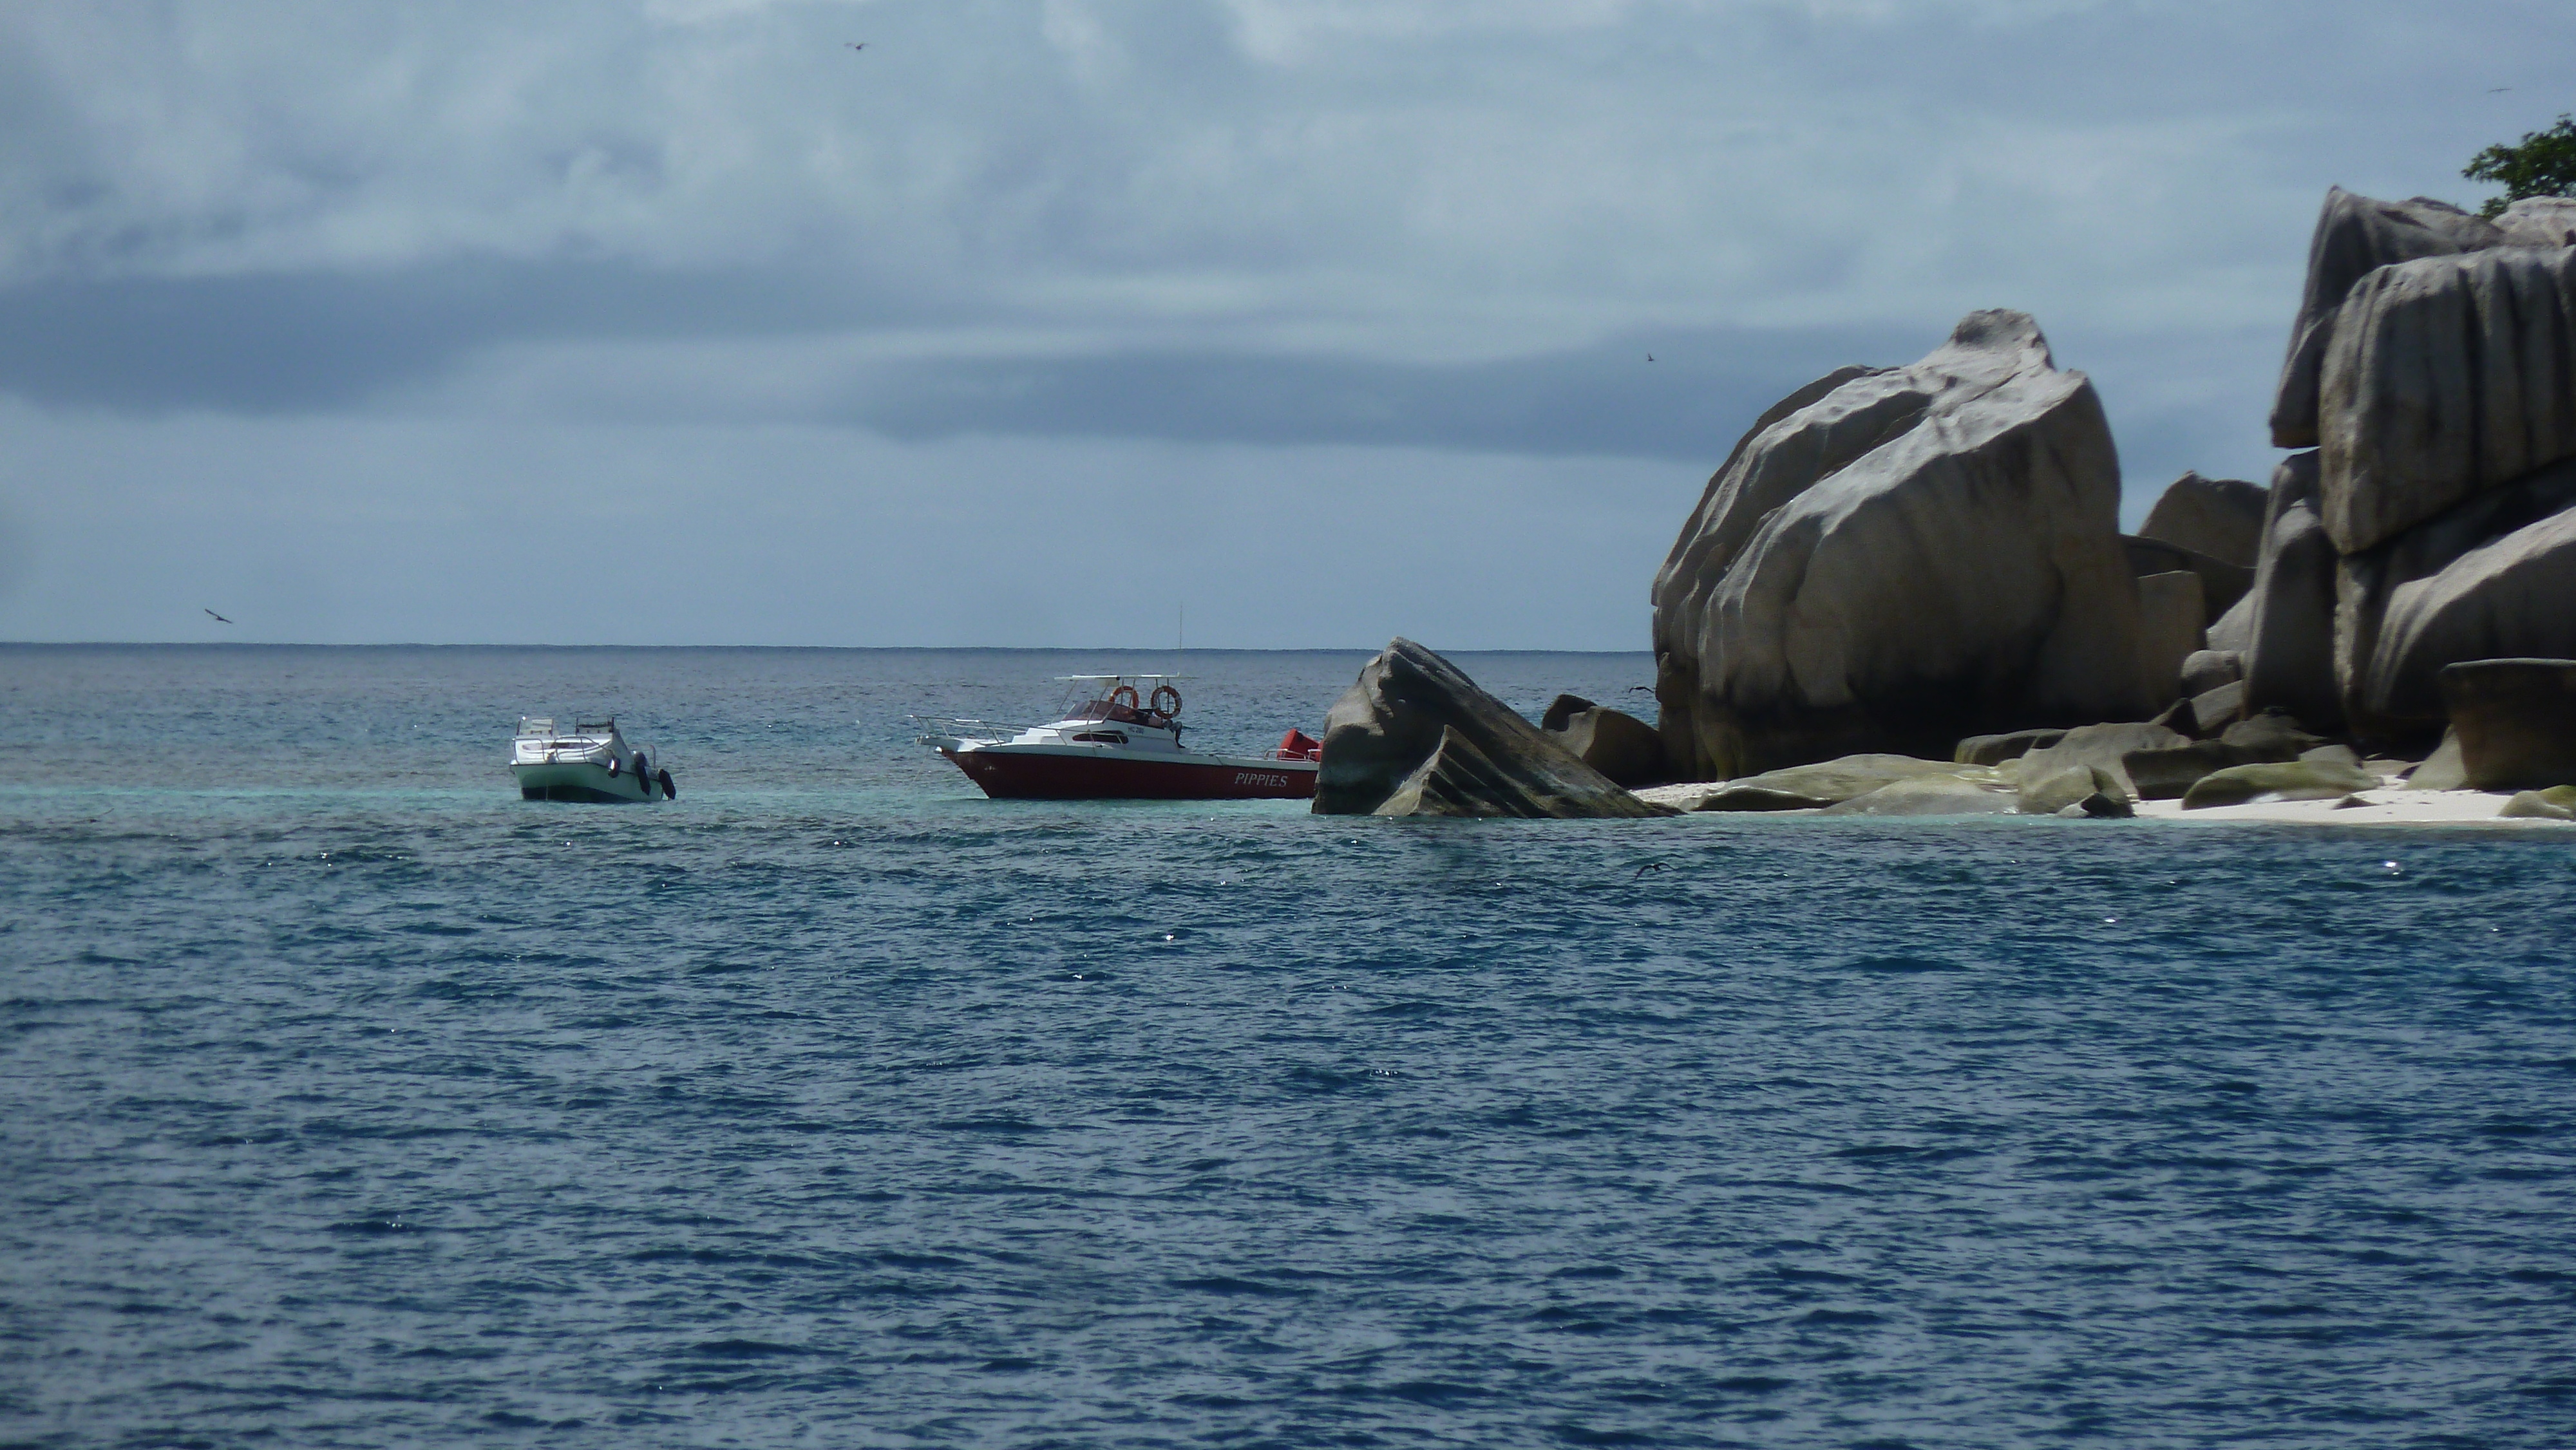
(2447, 377)
(2433, 366)
(2356, 236)
(2290, 649)
(2490, 578)
(1894, 559)
(2216, 518)
(2516, 721)
(1613, 742)
(1414, 736)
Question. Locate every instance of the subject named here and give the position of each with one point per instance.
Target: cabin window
(1102, 737)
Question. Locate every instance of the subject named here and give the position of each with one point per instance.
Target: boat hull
(579, 780)
(1008, 773)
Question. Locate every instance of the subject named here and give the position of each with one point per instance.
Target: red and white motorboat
(1113, 743)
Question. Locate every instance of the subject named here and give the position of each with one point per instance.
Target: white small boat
(590, 762)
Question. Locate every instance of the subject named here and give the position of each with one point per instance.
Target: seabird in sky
(856, 44)
(219, 619)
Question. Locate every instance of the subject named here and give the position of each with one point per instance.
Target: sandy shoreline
(2391, 806)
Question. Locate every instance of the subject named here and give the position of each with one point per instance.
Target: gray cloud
(1160, 229)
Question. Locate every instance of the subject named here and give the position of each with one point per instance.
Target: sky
(1040, 322)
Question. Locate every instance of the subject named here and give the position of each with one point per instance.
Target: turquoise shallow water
(353, 1101)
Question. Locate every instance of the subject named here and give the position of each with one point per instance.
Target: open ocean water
(352, 1101)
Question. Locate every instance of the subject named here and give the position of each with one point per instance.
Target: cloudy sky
(681, 321)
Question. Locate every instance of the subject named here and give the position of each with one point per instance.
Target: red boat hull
(1018, 775)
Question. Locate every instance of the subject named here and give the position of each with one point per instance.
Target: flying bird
(856, 44)
(2498, 90)
(1650, 357)
(219, 619)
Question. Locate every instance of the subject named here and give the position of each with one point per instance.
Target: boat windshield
(1122, 699)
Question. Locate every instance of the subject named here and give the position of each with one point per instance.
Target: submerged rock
(1414, 736)
(2516, 722)
(1904, 558)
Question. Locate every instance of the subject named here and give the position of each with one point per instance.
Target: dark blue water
(351, 1101)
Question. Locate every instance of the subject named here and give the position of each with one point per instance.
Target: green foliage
(2543, 163)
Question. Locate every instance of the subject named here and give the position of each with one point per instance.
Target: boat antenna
(1180, 632)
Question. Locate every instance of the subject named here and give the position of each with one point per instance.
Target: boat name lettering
(1255, 777)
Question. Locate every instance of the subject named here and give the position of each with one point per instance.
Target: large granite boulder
(2516, 721)
(2447, 377)
(2218, 518)
(2494, 577)
(2356, 236)
(1414, 736)
(1907, 557)
(2290, 646)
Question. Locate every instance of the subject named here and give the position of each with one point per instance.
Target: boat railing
(946, 727)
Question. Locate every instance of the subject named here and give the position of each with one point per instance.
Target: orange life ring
(1123, 695)
(1160, 708)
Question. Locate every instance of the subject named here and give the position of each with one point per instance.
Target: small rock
(2101, 746)
(2558, 803)
(2103, 806)
(2213, 711)
(2297, 780)
(2163, 775)
(2068, 787)
(2441, 770)
(2206, 670)
(1562, 709)
(1996, 749)
(2270, 736)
